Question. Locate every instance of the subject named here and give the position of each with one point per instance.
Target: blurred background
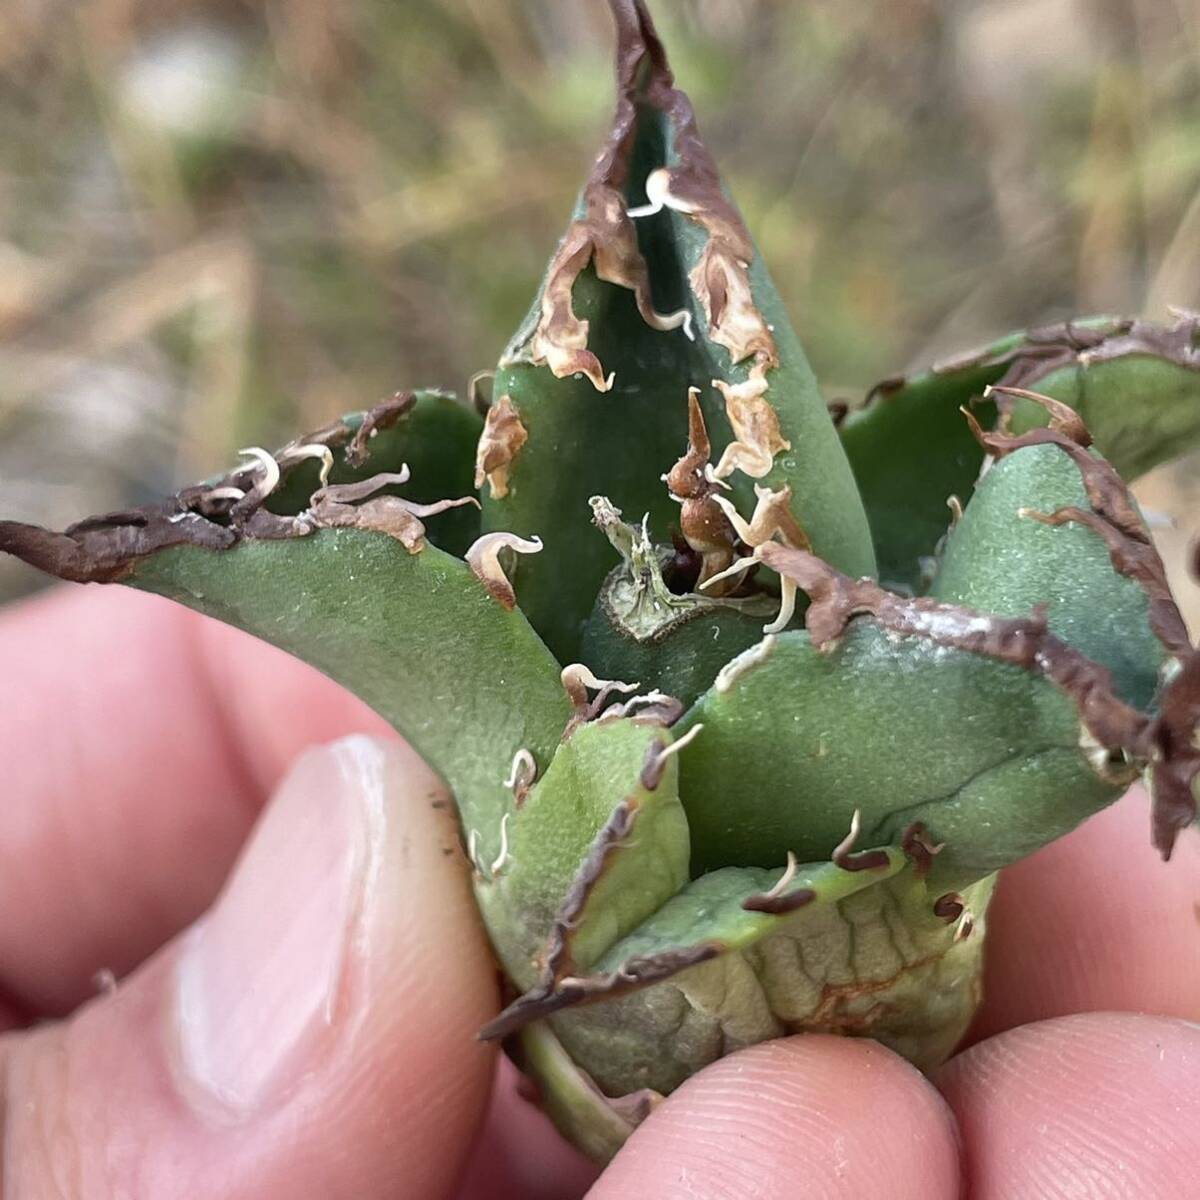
(222, 221)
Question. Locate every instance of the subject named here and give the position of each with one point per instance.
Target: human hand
(312, 1034)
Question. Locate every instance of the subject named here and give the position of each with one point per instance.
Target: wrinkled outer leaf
(880, 962)
(871, 952)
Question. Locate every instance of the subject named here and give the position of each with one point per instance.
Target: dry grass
(220, 220)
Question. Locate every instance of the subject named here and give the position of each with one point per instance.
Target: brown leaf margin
(1045, 349)
(106, 548)
(559, 987)
(1165, 742)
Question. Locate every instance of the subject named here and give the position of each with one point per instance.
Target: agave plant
(744, 702)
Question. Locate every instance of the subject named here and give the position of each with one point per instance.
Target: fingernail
(258, 982)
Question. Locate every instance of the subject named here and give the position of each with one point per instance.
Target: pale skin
(140, 744)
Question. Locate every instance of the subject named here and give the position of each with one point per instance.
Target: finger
(519, 1155)
(811, 1115)
(312, 1036)
(1096, 921)
(1092, 1105)
(138, 742)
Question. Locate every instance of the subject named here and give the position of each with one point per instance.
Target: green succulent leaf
(985, 729)
(634, 311)
(736, 907)
(870, 952)
(434, 435)
(1000, 558)
(686, 655)
(1135, 384)
(797, 739)
(417, 636)
(597, 845)
(312, 550)
(664, 886)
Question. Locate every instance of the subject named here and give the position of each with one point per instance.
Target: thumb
(311, 1036)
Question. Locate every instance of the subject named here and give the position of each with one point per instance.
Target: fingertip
(811, 1115)
(1095, 1104)
(147, 739)
(1096, 921)
(312, 1035)
(519, 1154)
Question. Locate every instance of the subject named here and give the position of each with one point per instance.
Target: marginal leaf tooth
(740, 524)
(918, 847)
(473, 851)
(483, 558)
(577, 680)
(499, 444)
(644, 210)
(645, 700)
(310, 450)
(782, 904)
(773, 513)
(362, 489)
(679, 743)
(757, 437)
(787, 606)
(658, 195)
(521, 775)
(653, 708)
(733, 670)
(789, 873)
(479, 391)
(659, 753)
(502, 857)
(738, 567)
(1063, 418)
(521, 764)
(772, 518)
(438, 506)
(356, 506)
(269, 474)
(384, 415)
(866, 860)
(847, 843)
(711, 475)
